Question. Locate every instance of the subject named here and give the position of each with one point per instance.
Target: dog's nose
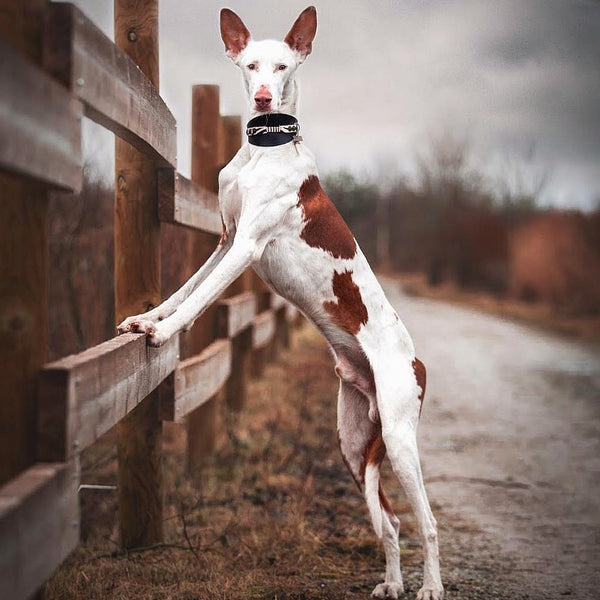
(263, 98)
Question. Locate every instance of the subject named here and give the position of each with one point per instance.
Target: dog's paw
(156, 337)
(388, 590)
(431, 593)
(136, 325)
(143, 326)
(126, 325)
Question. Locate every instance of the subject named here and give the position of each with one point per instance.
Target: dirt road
(510, 444)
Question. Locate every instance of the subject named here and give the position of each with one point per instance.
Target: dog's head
(268, 66)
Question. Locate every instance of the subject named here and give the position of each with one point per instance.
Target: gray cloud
(387, 75)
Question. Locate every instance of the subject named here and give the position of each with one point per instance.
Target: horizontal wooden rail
(39, 526)
(40, 124)
(184, 202)
(114, 91)
(84, 395)
(235, 314)
(197, 379)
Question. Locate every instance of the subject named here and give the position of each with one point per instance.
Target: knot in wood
(132, 35)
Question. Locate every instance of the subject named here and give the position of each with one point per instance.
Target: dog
(277, 219)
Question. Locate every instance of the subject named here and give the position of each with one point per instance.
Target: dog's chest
(310, 248)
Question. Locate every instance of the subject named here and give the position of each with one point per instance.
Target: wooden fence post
(236, 389)
(206, 130)
(137, 288)
(260, 356)
(23, 273)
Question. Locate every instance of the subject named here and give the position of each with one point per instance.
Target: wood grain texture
(137, 233)
(236, 314)
(39, 526)
(23, 273)
(232, 137)
(23, 317)
(137, 288)
(40, 124)
(236, 390)
(106, 78)
(206, 150)
(236, 322)
(82, 396)
(198, 379)
(183, 202)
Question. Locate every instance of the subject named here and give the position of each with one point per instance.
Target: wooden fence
(56, 66)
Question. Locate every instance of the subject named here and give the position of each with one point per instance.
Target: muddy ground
(511, 454)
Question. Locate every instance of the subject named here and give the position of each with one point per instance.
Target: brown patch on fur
(384, 501)
(324, 226)
(421, 375)
(349, 312)
(374, 452)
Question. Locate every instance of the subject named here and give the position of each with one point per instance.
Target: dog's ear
(234, 33)
(303, 32)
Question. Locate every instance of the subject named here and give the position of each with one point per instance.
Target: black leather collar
(273, 129)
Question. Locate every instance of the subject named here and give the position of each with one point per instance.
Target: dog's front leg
(144, 322)
(239, 257)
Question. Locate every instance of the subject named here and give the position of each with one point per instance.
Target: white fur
(258, 198)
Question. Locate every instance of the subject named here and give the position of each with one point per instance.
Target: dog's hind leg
(362, 448)
(399, 405)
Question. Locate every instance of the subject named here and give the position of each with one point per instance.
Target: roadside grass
(583, 327)
(274, 514)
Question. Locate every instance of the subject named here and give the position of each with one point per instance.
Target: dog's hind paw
(431, 593)
(388, 590)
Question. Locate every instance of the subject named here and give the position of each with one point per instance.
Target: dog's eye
(252, 67)
(281, 67)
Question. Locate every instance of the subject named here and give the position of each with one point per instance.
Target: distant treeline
(452, 226)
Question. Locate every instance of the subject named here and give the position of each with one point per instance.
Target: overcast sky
(519, 80)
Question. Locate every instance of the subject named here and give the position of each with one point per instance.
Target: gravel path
(510, 445)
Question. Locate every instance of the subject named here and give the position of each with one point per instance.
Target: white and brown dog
(278, 220)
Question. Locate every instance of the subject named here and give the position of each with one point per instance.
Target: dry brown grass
(274, 516)
(540, 314)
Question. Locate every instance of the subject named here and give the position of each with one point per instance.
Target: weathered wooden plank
(115, 92)
(197, 380)
(84, 395)
(39, 526)
(263, 329)
(23, 272)
(206, 140)
(40, 124)
(232, 137)
(235, 314)
(184, 202)
(137, 272)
